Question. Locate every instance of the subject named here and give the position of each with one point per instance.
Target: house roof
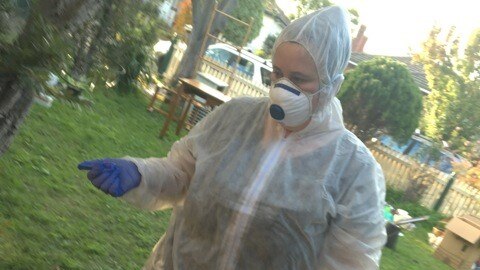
(272, 9)
(416, 69)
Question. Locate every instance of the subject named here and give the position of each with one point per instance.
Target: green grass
(51, 217)
(412, 250)
(412, 253)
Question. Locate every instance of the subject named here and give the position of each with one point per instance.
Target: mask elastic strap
(310, 100)
(334, 82)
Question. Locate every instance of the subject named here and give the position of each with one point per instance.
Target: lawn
(51, 217)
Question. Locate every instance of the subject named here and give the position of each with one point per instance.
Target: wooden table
(192, 88)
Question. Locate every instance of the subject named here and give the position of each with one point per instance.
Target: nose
(277, 112)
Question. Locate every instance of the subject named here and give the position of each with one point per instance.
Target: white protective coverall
(246, 197)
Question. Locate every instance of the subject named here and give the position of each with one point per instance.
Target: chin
(296, 128)
(290, 128)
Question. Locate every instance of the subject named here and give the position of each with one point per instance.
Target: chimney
(358, 43)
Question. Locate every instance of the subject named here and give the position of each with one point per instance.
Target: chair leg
(154, 98)
(171, 112)
(183, 116)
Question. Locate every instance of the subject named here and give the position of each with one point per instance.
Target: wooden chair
(176, 99)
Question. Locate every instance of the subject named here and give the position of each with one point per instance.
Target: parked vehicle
(257, 68)
(422, 149)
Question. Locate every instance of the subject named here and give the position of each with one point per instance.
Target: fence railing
(240, 84)
(426, 184)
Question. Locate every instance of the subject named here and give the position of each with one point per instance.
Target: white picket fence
(240, 84)
(401, 173)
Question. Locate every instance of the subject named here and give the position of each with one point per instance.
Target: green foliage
(13, 15)
(438, 61)
(268, 45)
(466, 134)
(244, 11)
(451, 112)
(41, 45)
(68, 80)
(353, 15)
(260, 53)
(34, 46)
(470, 64)
(380, 95)
(396, 198)
(307, 6)
(127, 49)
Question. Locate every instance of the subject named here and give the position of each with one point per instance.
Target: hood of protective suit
(326, 36)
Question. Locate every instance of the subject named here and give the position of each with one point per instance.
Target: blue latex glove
(113, 176)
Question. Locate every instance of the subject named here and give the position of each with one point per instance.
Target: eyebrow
(293, 73)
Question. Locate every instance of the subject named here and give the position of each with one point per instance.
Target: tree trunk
(80, 63)
(15, 101)
(202, 11)
(69, 15)
(88, 46)
(89, 41)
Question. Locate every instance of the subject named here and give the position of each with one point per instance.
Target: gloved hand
(114, 176)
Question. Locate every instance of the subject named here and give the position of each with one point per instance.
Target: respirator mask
(289, 105)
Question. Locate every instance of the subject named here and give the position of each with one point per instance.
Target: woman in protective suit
(267, 183)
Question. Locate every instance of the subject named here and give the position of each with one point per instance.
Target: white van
(251, 65)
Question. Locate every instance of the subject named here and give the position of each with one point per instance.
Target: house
(358, 56)
(168, 10)
(274, 20)
(360, 40)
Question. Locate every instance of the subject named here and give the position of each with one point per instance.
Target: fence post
(445, 191)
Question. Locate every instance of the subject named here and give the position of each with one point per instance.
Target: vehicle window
(220, 55)
(265, 76)
(246, 67)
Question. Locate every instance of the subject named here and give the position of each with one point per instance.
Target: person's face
(292, 61)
